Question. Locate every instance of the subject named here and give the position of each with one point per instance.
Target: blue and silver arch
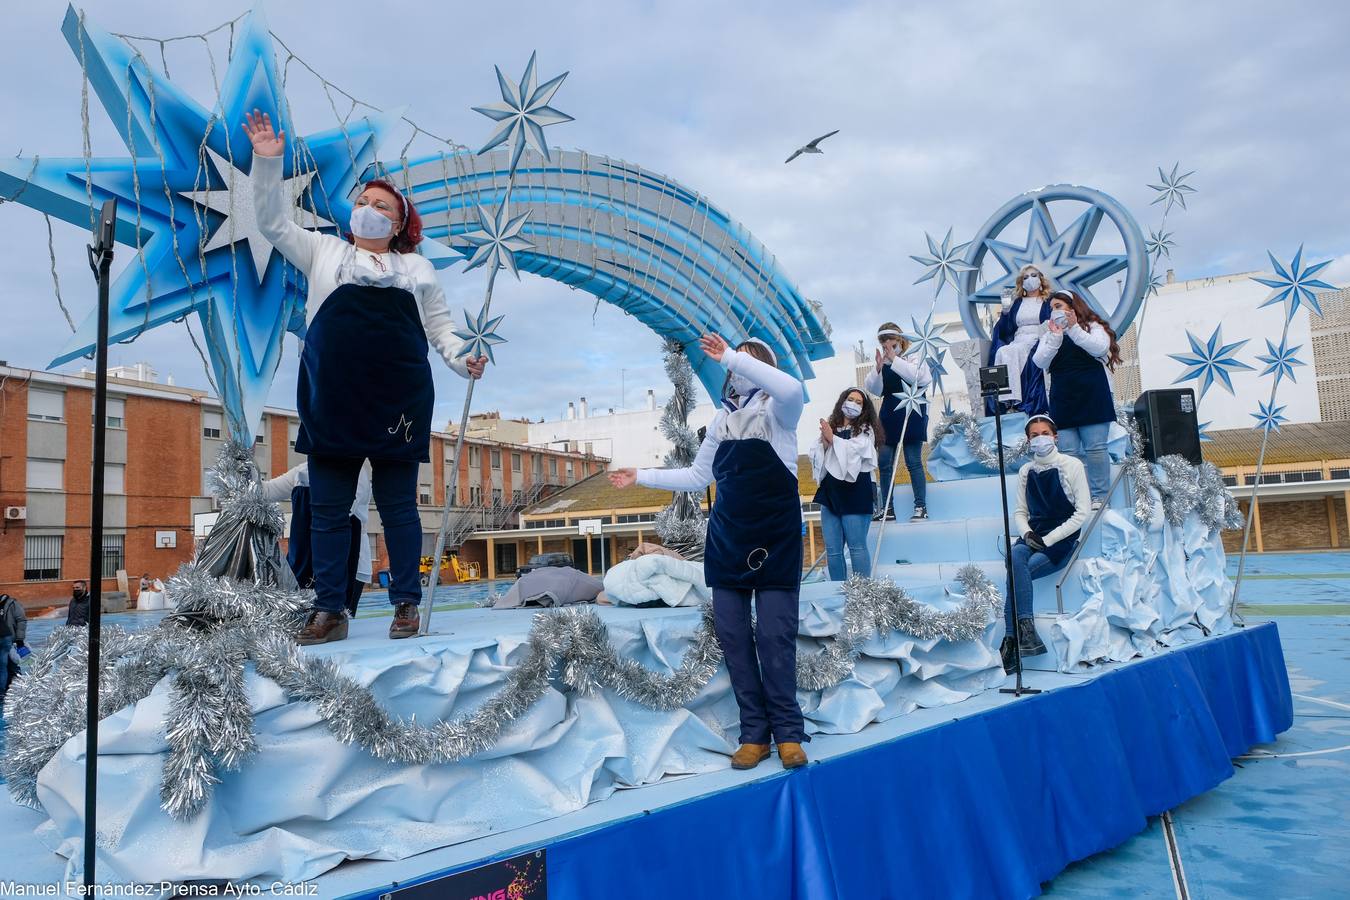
(633, 238)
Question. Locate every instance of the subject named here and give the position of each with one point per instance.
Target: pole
(452, 486)
(100, 261)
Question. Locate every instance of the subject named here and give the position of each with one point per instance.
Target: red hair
(410, 235)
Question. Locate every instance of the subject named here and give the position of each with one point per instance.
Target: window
(114, 478)
(46, 474)
(1230, 480)
(114, 554)
(569, 470)
(46, 406)
(424, 496)
(475, 495)
(496, 497)
(292, 432)
(496, 459)
(42, 557)
(588, 448)
(515, 462)
(1338, 474)
(474, 461)
(537, 463)
(211, 424)
(553, 466)
(116, 413)
(262, 436)
(546, 523)
(630, 518)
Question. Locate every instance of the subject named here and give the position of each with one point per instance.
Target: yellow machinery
(452, 570)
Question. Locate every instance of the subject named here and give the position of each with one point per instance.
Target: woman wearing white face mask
(1052, 504)
(842, 462)
(1080, 388)
(906, 431)
(753, 553)
(1014, 339)
(365, 388)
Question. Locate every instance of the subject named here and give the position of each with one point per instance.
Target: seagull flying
(811, 147)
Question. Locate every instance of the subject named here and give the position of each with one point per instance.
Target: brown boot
(323, 627)
(749, 756)
(791, 755)
(406, 621)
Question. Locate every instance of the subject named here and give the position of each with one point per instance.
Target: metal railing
(493, 517)
(1083, 536)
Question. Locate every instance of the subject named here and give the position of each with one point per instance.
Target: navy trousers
(762, 661)
(332, 489)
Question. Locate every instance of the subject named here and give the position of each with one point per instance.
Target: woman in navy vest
(842, 461)
(365, 388)
(754, 546)
(1052, 504)
(1080, 387)
(894, 373)
(1014, 340)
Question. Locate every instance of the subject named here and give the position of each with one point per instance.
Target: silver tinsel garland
(985, 454)
(1183, 489)
(682, 525)
(221, 624)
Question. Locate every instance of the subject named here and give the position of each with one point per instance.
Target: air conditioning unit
(16, 513)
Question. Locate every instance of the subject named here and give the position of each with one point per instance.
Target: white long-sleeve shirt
(916, 373)
(784, 406)
(320, 256)
(844, 458)
(1072, 477)
(1094, 340)
(279, 488)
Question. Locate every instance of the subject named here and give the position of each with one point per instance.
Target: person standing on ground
(77, 613)
(13, 631)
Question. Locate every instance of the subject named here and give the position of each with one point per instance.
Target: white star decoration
(926, 338)
(1173, 188)
(944, 263)
(523, 113)
(479, 335)
(1294, 285)
(1280, 361)
(911, 399)
(498, 238)
(1269, 417)
(1211, 361)
(235, 203)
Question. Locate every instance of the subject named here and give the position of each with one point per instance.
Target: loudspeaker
(1168, 424)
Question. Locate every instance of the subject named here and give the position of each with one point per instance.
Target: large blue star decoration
(1211, 361)
(1173, 188)
(498, 238)
(911, 398)
(1280, 361)
(1269, 417)
(1062, 256)
(479, 335)
(185, 200)
(944, 263)
(927, 338)
(1294, 284)
(523, 113)
(1203, 431)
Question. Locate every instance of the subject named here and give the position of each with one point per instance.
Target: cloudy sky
(945, 111)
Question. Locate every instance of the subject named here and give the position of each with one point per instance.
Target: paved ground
(1281, 826)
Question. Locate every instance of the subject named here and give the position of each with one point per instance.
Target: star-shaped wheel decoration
(1269, 416)
(1280, 361)
(523, 113)
(926, 338)
(1160, 244)
(1173, 188)
(944, 262)
(498, 238)
(479, 335)
(1062, 256)
(1203, 430)
(1294, 285)
(176, 196)
(912, 399)
(1211, 361)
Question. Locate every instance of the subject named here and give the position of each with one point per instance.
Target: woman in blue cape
(1014, 340)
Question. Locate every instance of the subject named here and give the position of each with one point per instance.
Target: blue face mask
(1042, 444)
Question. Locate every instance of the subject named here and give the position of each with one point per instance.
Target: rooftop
(1291, 444)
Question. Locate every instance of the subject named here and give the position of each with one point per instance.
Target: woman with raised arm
(754, 546)
(365, 389)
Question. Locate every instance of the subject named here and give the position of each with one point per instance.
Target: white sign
(590, 526)
(166, 540)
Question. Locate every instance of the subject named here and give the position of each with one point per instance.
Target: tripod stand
(994, 386)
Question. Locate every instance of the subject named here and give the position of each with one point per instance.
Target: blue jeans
(5, 644)
(332, 490)
(841, 530)
(1027, 566)
(913, 463)
(1088, 443)
(762, 661)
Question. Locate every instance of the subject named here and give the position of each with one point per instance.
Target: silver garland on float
(880, 606)
(221, 624)
(1183, 489)
(986, 455)
(682, 525)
